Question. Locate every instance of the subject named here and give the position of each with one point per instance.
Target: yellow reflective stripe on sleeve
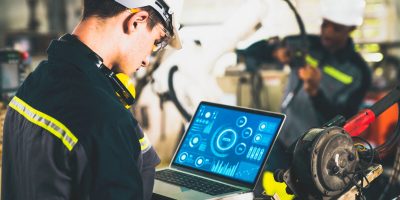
(311, 61)
(331, 71)
(45, 121)
(145, 144)
(338, 75)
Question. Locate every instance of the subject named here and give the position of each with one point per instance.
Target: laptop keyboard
(194, 182)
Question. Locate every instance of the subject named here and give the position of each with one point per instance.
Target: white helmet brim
(165, 12)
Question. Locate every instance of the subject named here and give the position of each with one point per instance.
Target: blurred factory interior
(210, 66)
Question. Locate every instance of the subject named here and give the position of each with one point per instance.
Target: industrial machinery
(298, 49)
(327, 161)
(13, 71)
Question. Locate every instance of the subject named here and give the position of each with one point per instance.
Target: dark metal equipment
(13, 71)
(297, 49)
(327, 161)
(324, 160)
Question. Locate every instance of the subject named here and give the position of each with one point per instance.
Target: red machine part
(359, 123)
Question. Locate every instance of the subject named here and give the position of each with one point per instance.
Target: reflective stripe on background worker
(68, 134)
(335, 80)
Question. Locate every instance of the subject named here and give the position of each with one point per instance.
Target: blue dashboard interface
(228, 142)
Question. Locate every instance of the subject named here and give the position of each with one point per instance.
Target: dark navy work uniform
(346, 79)
(68, 136)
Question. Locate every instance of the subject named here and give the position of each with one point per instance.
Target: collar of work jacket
(70, 50)
(342, 54)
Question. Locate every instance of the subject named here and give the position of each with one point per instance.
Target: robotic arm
(356, 125)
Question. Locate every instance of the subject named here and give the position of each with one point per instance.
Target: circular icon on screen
(240, 149)
(241, 121)
(257, 138)
(194, 141)
(226, 139)
(247, 132)
(199, 161)
(183, 156)
(208, 115)
(262, 126)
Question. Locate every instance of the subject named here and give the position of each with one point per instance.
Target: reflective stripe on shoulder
(331, 71)
(312, 61)
(338, 75)
(145, 144)
(45, 121)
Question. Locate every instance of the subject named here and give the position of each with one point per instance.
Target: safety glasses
(162, 42)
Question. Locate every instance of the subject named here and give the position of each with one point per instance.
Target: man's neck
(98, 36)
(340, 47)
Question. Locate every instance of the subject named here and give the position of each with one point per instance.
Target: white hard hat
(345, 12)
(165, 12)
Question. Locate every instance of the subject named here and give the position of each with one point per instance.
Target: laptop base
(170, 191)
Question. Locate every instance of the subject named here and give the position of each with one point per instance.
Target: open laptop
(221, 154)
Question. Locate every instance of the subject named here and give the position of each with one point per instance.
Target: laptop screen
(228, 141)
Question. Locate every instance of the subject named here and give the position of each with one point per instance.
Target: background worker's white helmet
(345, 12)
(165, 12)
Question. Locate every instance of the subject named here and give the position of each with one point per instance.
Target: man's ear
(135, 20)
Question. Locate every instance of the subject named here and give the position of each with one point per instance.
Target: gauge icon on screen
(226, 139)
(241, 121)
(247, 132)
(240, 149)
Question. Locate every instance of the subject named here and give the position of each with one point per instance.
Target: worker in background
(68, 133)
(335, 79)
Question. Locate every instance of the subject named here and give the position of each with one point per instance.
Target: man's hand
(311, 78)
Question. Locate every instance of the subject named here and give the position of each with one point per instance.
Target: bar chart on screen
(224, 168)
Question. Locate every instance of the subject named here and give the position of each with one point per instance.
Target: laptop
(221, 155)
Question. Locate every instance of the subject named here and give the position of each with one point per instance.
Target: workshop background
(209, 66)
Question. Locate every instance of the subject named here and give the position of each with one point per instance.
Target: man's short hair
(109, 8)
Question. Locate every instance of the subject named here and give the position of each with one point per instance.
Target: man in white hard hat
(68, 133)
(335, 79)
